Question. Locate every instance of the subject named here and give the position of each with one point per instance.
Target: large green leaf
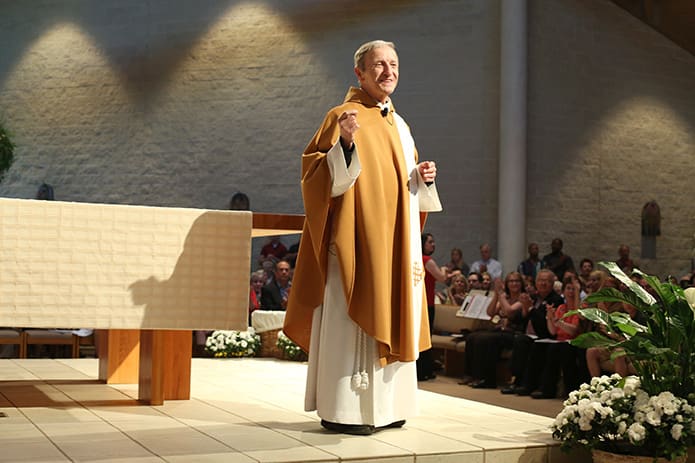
(661, 346)
(633, 286)
(593, 339)
(615, 295)
(595, 315)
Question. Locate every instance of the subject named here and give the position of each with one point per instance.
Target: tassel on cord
(363, 362)
(356, 377)
(360, 378)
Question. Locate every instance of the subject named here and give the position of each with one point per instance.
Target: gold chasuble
(369, 228)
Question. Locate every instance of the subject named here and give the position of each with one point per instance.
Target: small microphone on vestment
(385, 111)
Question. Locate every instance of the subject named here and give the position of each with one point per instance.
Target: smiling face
(544, 282)
(257, 283)
(380, 74)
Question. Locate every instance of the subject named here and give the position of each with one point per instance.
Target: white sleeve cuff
(427, 195)
(343, 177)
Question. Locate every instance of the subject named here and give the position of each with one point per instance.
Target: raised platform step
(241, 410)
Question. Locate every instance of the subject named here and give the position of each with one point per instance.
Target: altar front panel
(83, 265)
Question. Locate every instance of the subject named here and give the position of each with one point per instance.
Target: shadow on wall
(146, 62)
(208, 287)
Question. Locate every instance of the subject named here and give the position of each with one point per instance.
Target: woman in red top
(257, 282)
(433, 273)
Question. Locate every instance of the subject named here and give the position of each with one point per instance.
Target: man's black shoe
(353, 429)
(541, 395)
(484, 385)
(395, 424)
(518, 390)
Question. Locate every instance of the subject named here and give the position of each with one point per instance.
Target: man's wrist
(347, 147)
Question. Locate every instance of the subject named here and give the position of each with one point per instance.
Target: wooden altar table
(159, 271)
(119, 361)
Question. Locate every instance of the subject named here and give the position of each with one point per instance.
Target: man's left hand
(428, 170)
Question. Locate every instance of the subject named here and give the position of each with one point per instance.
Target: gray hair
(366, 48)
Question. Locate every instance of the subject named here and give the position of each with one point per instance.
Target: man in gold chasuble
(358, 301)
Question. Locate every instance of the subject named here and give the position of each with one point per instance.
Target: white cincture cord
(360, 378)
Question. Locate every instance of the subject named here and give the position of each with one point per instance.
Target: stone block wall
(611, 127)
(182, 103)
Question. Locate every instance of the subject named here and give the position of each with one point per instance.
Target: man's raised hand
(348, 127)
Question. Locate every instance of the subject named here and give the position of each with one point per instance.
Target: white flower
(667, 402)
(653, 417)
(676, 431)
(636, 432)
(641, 398)
(622, 427)
(632, 383)
(616, 393)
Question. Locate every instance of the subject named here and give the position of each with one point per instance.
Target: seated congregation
(524, 347)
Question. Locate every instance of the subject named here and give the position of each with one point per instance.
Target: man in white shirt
(487, 263)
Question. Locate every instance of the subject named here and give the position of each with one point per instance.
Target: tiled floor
(241, 410)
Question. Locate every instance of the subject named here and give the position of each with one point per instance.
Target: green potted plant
(651, 414)
(6, 151)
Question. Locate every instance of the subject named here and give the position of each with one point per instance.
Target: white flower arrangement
(233, 343)
(289, 349)
(614, 414)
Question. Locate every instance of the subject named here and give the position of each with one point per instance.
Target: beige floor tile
(468, 457)
(63, 414)
(410, 459)
(527, 455)
(94, 442)
(242, 410)
(418, 442)
(30, 449)
(177, 442)
(353, 447)
(228, 457)
(19, 430)
(303, 454)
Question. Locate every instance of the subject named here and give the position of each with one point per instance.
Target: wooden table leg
(165, 366)
(178, 349)
(151, 376)
(119, 355)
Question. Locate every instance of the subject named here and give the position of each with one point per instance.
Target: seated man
(274, 295)
(487, 264)
(273, 251)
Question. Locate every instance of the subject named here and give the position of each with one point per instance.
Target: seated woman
(486, 282)
(483, 348)
(598, 359)
(595, 281)
(457, 264)
(257, 283)
(457, 291)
